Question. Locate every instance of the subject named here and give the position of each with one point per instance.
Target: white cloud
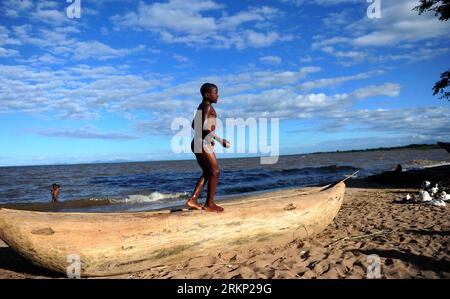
(318, 2)
(258, 39)
(72, 93)
(354, 56)
(363, 39)
(50, 16)
(410, 56)
(98, 50)
(335, 20)
(307, 59)
(290, 105)
(13, 8)
(399, 23)
(175, 15)
(387, 89)
(87, 11)
(253, 14)
(50, 12)
(160, 125)
(270, 59)
(47, 4)
(63, 45)
(323, 41)
(293, 105)
(244, 81)
(8, 52)
(238, 39)
(45, 59)
(333, 82)
(429, 122)
(179, 21)
(180, 58)
(81, 92)
(87, 132)
(5, 37)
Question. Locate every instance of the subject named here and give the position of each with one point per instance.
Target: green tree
(441, 9)
(442, 84)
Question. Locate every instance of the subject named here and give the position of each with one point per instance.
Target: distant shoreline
(409, 146)
(405, 147)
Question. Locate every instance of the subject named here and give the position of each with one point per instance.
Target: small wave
(423, 164)
(328, 168)
(82, 204)
(153, 197)
(437, 165)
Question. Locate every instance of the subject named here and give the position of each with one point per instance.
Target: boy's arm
(207, 127)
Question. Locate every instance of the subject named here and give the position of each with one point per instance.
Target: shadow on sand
(11, 261)
(424, 232)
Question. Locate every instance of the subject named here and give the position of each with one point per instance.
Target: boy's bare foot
(192, 204)
(213, 208)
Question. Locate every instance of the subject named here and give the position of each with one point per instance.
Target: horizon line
(434, 145)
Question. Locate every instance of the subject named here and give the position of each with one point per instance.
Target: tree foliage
(441, 85)
(441, 9)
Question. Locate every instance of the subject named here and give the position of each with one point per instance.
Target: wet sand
(411, 241)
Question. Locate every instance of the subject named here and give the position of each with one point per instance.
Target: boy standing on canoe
(204, 125)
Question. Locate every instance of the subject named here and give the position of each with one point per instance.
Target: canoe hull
(118, 243)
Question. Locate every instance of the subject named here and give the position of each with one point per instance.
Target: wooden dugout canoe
(118, 243)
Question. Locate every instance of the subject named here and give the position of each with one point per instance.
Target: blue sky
(106, 86)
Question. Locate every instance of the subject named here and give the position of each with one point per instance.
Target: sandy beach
(411, 241)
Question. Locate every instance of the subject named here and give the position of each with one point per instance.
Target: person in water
(204, 125)
(55, 192)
